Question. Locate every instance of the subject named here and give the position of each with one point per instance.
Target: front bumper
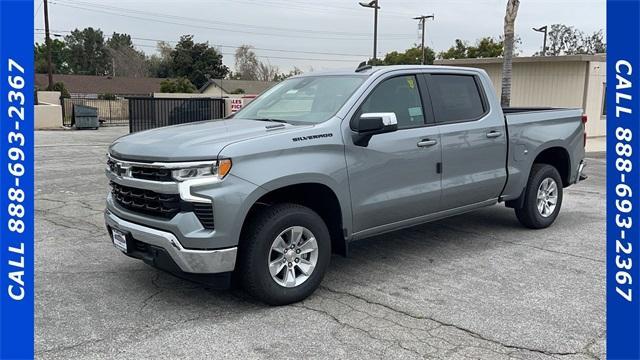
(187, 260)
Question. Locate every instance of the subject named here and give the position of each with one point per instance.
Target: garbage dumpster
(85, 117)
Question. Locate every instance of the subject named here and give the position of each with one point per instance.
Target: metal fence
(148, 112)
(110, 112)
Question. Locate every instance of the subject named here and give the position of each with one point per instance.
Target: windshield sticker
(411, 82)
(415, 111)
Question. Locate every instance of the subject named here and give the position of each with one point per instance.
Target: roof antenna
(363, 66)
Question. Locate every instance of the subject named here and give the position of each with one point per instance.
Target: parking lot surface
(474, 286)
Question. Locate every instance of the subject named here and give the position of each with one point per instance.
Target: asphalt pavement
(474, 286)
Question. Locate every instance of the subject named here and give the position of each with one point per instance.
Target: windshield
(309, 99)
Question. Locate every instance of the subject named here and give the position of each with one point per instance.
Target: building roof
(251, 87)
(523, 59)
(89, 84)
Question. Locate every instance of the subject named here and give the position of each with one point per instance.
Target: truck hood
(190, 142)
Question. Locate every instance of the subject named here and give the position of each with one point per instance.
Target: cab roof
(366, 72)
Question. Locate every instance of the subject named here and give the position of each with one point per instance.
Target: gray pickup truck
(324, 159)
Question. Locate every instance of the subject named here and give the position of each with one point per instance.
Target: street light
(423, 20)
(373, 5)
(544, 44)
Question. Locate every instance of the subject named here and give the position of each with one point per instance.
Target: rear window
(456, 98)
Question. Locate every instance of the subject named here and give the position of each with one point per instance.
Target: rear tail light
(584, 118)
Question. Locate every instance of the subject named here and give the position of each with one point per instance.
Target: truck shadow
(396, 254)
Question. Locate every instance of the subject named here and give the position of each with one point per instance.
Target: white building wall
(597, 121)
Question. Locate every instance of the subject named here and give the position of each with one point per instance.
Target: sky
(314, 35)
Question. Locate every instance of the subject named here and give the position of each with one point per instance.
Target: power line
(272, 56)
(209, 21)
(290, 32)
(309, 6)
(38, 9)
(228, 46)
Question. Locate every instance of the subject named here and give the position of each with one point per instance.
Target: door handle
(427, 142)
(494, 134)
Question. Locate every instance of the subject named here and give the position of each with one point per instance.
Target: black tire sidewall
(268, 225)
(532, 216)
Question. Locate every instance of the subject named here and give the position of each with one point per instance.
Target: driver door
(396, 177)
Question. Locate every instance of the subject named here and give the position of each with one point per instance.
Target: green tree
(567, 40)
(160, 65)
(125, 59)
(59, 60)
(483, 48)
(457, 51)
(411, 56)
(295, 71)
(487, 47)
(178, 85)
(248, 67)
(86, 52)
(198, 62)
(246, 64)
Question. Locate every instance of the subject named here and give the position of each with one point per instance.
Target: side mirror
(370, 124)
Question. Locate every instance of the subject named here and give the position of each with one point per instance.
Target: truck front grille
(153, 174)
(160, 205)
(146, 201)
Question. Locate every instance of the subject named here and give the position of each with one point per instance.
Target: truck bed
(534, 129)
(513, 110)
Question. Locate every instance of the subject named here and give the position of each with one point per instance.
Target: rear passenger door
(474, 140)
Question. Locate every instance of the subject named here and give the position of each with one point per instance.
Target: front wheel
(543, 197)
(285, 254)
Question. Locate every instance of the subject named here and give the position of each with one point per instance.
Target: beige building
(558, 81)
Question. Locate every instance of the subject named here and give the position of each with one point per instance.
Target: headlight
(218, 169)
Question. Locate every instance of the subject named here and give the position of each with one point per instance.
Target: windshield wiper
(272, 120)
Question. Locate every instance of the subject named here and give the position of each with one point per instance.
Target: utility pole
(374, 5)
(47, 41)
(423, 22)
(544, 43)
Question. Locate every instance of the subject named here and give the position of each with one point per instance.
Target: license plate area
(119, 240)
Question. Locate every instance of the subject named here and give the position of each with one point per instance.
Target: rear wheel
(543, 197)
(285, 254)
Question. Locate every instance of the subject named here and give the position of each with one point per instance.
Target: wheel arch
(318, 196)
(558, 157)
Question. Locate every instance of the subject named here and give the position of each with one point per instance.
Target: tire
(260, 247)
(530, 215)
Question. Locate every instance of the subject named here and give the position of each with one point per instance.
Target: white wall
(49, 97)
(597, 123)
(47, 116)
(48, 112)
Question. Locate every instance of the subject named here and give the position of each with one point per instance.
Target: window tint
(456, 98)
(399, 95)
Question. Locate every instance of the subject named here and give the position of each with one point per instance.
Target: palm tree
(509, 31)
